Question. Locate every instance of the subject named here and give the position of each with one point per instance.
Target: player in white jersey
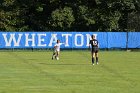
(56, 50)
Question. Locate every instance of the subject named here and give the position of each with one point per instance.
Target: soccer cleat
(93, 64)
(97, 63)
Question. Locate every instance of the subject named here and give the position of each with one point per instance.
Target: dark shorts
(94, 50)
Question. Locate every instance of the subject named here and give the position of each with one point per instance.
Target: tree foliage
(62, 19)
(69, 15)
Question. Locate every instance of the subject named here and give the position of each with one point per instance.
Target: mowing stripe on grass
(42, 72)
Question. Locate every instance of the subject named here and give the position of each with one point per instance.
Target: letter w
(12, 38)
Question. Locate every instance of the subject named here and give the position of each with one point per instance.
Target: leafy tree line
(69, 15)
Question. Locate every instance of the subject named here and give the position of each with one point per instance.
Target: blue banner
(69, 39)
(117, 39)
(134, 40)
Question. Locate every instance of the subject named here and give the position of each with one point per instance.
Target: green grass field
(35, 72)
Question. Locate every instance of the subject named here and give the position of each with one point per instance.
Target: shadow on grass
(63, 64)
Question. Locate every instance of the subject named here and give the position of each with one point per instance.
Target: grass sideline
(35, 72)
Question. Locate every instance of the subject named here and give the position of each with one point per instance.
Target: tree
(10, 16)
(62, 19)
(68, 15)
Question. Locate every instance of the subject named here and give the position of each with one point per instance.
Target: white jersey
(57, 45)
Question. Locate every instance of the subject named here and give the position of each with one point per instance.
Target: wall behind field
(69, 39)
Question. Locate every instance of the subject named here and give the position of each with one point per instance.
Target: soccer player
(94, 50)
(56, 52)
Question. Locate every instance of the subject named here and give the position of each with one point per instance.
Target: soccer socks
(96, 60)
(92, 60)
(53, 56)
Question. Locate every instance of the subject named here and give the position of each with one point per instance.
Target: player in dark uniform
(94, 50)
